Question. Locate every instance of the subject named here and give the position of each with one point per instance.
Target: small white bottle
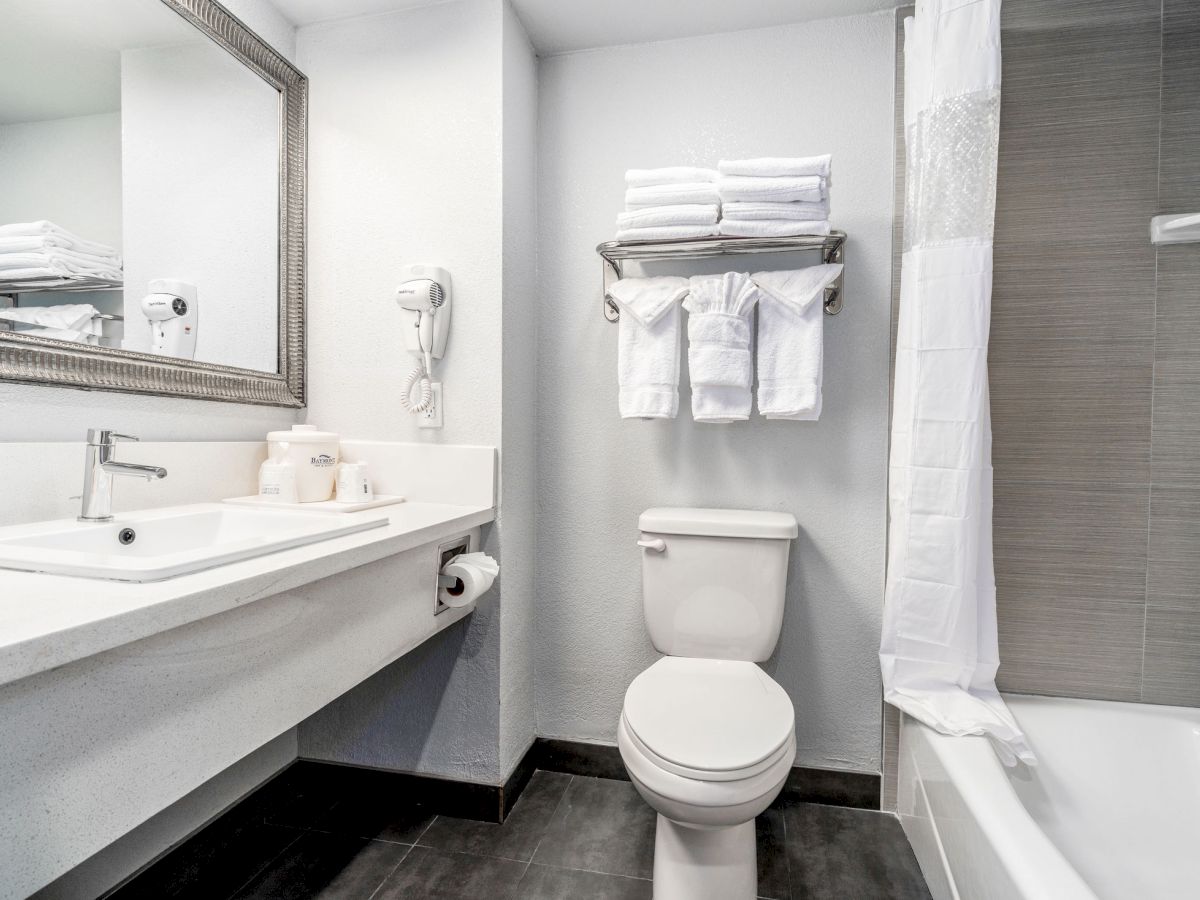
(353, 483)
(277, 481)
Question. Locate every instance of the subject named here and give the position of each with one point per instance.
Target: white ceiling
(61, 58)
(559, 26)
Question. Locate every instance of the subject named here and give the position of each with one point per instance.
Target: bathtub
(1112, 811)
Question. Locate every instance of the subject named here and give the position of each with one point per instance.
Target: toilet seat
(709, 719)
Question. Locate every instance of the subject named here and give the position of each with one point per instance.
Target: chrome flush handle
(655, 545)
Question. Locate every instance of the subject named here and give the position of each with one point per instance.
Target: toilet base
(705, 863)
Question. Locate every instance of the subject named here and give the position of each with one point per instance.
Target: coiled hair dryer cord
(415, 377)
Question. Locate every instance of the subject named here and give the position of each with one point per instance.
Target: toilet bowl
(708, 744)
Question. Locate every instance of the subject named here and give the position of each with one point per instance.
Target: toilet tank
(713, 580)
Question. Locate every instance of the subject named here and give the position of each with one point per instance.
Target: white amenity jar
(313, 454)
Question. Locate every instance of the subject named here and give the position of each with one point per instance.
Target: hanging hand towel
(749, 209)
(809, 188)
(671, 175)
(648, 345)
(778, 167)
(671, 194)
(768, 228)
(719, 359)
(667, 233)
(791, 318)
(684, 214)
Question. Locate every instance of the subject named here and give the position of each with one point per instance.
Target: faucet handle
(104, 438)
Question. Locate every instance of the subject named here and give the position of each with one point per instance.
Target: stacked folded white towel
(669, 204)
(42, 249)
(774, 197)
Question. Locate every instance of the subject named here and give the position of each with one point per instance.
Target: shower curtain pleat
(939, 652)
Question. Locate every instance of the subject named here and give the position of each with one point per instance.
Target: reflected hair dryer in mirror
(425, 296)
(171, 309)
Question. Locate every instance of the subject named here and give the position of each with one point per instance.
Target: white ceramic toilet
(707, 736)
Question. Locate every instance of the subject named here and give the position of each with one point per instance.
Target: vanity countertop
(51, 620)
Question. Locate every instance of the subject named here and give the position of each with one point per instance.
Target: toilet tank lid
(742, 523)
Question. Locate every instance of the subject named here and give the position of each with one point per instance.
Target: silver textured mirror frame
(46, 361)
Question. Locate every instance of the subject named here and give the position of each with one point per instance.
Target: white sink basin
(167, 542)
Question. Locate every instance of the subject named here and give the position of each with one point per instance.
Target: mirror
(151, 201)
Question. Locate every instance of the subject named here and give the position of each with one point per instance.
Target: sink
(164, 543)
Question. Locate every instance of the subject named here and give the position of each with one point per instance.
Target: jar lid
(303, 434)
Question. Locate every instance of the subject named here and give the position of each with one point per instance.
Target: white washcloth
(772, 228)
(65, 322)
(43, 228)
(672, 194)
(667, 233)
(719, 357)
(778, 167)
(749, 209)
(648, 345)
(684, 214)
(671, 175)
(791, 319)
(746, 187)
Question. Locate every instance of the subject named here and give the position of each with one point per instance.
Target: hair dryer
(171, 309)
(426, 296)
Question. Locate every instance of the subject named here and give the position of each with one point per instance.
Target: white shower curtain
(939, 650)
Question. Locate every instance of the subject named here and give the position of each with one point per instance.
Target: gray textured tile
(427, 873)
(1176, 431)
(1070, 581)
(771, 845)
(1179, 174)
(837, 853)
(520, 833)
(547, 883)
(891, 757)
(1174, 551)
(1172, 668)
(326, 867)
(602, 826)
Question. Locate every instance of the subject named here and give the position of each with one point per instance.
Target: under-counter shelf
(614, 253)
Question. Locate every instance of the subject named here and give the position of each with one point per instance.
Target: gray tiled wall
(1095, 352)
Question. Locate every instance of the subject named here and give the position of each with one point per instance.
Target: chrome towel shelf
(614, 253)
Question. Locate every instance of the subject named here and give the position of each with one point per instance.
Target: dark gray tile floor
(567, 837)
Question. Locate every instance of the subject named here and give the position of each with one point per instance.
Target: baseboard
(832, 787)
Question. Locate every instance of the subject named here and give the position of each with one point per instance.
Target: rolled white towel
(749, 209)
(778, 166)
(719, 335)
(658, 216)
(670, 175)
(810, 188)
(667, 233)
(672, 194)
(772, 228)
(648, 341)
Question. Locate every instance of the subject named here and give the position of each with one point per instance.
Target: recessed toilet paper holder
(446, 552)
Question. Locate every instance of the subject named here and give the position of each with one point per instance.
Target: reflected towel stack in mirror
(41, 249)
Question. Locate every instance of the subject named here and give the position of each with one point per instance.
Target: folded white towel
(777, 167)
(648, 345)
(667, 233)
(65, 322)
(746, 187)
(58, 262)
(53, 242)
(670, 175)
(749, 209)
(671, 195)
(43, 228)
(791, 318)
(771, 228)
(683, 214)
(719, 358)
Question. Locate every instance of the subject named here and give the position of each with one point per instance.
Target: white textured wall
(35, 413)
(817, 87)
(411, 153)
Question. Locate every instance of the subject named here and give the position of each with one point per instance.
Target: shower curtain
(939, 650)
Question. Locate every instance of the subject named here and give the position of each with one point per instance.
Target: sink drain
(127, 536)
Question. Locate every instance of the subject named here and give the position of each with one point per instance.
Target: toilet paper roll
(474, 574)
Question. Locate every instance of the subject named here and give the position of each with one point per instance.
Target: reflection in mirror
(139, 184)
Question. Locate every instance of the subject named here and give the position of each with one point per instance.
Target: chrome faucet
(99, 467)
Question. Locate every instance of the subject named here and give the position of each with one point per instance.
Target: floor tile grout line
(591, 871)
(300, 833)
(387, 877)
(549, 819)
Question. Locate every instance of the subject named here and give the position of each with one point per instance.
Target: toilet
(708, 738)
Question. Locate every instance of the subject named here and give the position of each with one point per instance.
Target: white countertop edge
(48, 621)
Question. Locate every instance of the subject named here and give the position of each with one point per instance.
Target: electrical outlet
(432, 417)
